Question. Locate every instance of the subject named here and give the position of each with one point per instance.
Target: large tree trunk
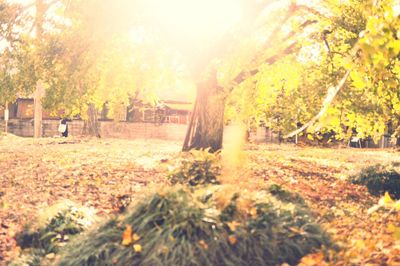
(207, 122)
(39, 92)
(92, 126)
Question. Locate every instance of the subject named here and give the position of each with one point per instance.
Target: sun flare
(195, 16)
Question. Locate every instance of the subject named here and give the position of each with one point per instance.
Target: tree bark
(207, 122)
(6, 117)
(92, 126)
(38, 110)
(39, 91)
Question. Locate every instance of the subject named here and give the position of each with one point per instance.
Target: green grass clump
(379, 179)
(55, 226)
(197, 167)
(215, 225)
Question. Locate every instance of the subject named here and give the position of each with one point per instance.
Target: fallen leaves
(98, 173)
(127, 236)
(232, 240)
(95, 173)
(130, 237)
(341, 207)
(137, 248)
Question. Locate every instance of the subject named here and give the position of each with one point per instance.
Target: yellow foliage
(137, 248)
(313, 260)
(386, 200)
(233, 225)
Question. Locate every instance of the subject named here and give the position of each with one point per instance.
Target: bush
(209, 226)
(198, 167)
(380, 179)
(55, 227)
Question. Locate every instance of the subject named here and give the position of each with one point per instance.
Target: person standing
(63, 127)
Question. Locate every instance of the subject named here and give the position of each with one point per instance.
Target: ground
(98, 173)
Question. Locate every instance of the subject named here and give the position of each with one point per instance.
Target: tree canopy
(277, 62)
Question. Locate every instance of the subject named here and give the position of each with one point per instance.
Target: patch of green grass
(53, 228)
(380, 178)
(197, 167)
(212, 225)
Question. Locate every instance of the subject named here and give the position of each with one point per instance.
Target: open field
(95, 173)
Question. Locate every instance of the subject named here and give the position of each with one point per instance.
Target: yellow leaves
(360, 244)
(137, 248)
(358, 81)
(394, 230)
(129, 237)
(233, 225)
(313, 260)
(386, 200)
(51, 256)
(135, 237)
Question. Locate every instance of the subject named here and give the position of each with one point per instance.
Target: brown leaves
(93, 172)
(341, 206)
(35, 176)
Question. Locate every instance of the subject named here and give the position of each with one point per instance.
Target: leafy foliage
(214, 225)
(379, 179)
(198, 167)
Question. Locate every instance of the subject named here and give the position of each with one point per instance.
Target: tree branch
(243, 75)
(332, 92)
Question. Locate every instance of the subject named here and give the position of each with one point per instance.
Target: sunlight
(197, 17)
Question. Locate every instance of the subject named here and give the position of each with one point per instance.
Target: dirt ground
(97, 173)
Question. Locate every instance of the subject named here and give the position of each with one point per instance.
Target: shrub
(208, 226)
(55, 227)
(380, 179)
(198, 167)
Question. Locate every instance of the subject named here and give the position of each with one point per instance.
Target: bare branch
(272, 59)
(332, 92)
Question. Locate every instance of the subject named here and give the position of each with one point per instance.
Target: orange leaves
(129, 237)
(316, 259)
(233, 225)
(232, 240)
(253, 212)
(203, 244)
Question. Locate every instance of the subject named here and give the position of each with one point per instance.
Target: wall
(129, 130)
(126, 130)
(108, 129)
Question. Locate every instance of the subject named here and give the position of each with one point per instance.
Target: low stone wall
(125, 130)
(24, 127)
(108, 129)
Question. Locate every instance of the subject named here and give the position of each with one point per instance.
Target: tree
(10, 21)
(343, 41)
(206, 126)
